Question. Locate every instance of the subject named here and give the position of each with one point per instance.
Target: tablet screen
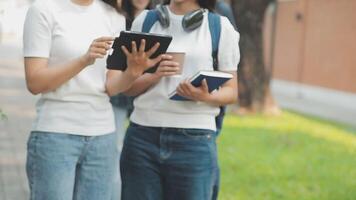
(117, 59)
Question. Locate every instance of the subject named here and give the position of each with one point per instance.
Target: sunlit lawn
(287, 157)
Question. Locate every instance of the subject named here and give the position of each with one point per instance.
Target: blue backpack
(215, 30)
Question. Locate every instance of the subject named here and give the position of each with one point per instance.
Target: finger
(142, 46)
(134, 47)
(103, 45)
(189, 86)
(105, 39)
(180, 91)
(192, 89)
(100, 56)
(169, 69)
(126, 52)
(99, 50)
(169, 73)
(185, 89)
(156, 60)
(151, 51)
(96, 55)
(205, 86)
(166, 57)
(169, 63)
(186, 93)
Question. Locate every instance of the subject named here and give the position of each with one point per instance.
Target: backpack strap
(215, 31)
(151, 18)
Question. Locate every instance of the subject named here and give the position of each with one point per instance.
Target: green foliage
(291, 157)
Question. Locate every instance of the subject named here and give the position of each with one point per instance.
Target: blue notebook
(214, 79)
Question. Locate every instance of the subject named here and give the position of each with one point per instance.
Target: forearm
(118, 81)
(223, 96)
(42, 79)
(142, 84)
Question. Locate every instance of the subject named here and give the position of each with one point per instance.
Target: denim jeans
(70, 167)
(168, 163)
(216, 186)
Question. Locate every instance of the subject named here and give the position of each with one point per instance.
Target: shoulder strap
(215, 31)
(150, 20)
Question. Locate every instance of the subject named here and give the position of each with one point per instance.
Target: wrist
(84, 60)
(131, 74)
(134, 71)
(156, 77)
(208, 98)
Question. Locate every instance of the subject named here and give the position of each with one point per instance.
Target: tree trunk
(254, 74)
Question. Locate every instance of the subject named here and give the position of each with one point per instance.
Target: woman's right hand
(98, 49)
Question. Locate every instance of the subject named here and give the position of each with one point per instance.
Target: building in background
(312, 48)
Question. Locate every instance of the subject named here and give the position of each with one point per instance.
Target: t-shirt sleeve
(138, 22)
(119, 23)
(229, 51)
(37, 36)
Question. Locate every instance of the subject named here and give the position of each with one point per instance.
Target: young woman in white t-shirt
(169, 149)
(72, 151)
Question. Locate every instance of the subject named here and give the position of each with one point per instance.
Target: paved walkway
(18, 104)
(317, 101)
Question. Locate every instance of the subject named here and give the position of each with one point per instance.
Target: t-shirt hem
(155, 118)
(79, 132)
(35, 55)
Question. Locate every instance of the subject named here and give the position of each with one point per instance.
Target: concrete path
(317, 101)
(18, 104)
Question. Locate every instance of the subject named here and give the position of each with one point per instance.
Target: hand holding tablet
(131, 41)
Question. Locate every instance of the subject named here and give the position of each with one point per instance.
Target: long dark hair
(208, 4)
(114, 4)
(129, 11)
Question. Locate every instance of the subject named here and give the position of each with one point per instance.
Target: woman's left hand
(186, 89)
(138, 60)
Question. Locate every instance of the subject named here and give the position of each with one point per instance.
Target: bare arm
(166, 68)
(227, 94)
(41, 79)
(142, 84)
(118, 81)
(132, 82)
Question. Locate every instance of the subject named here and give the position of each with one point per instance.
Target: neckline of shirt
(174, 16)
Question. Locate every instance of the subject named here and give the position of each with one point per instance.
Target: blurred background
(293, 133)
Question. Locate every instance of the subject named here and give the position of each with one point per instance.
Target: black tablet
(117, 59)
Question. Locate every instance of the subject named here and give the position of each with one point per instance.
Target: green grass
(290, 157)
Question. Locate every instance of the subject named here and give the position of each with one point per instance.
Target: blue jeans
(216, 186)
(168, 163)
(70, 167)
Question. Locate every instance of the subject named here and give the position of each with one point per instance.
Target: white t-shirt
(153, 108)
(62, 31)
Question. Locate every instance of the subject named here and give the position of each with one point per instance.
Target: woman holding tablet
(72, 151)
(122, 104)
(169, 149)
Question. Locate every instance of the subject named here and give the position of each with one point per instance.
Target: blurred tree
(254, 74)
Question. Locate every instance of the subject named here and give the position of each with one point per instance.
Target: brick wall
(315, 43)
